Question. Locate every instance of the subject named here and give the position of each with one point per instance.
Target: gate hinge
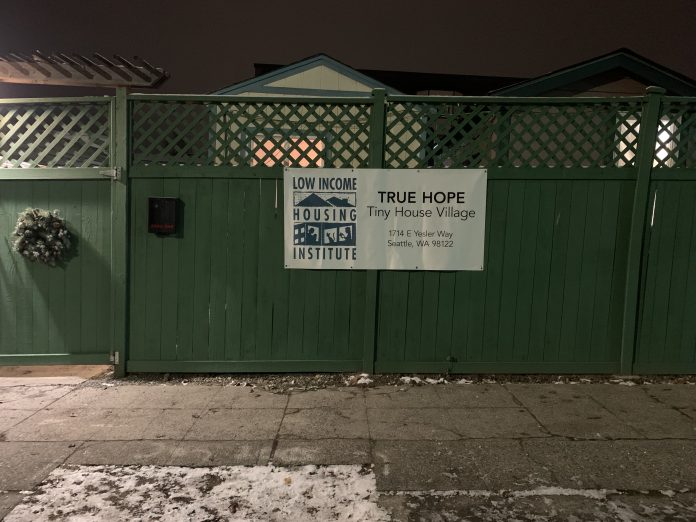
(114, 173)
(113, 357)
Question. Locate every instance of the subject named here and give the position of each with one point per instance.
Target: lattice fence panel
(55, 135)
(676, 136)
(455, 134)
(241, 133)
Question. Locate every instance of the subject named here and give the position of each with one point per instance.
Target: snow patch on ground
(597, 494)
(342, 493)
(622, 382)
(417, 381)
(411, 380)
(362, 379)
(545, 491)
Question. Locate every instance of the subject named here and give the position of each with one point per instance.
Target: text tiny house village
(384, 219)
(426, 198)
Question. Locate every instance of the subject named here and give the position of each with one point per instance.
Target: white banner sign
(381, 219)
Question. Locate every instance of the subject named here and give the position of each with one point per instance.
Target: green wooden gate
(53, 155)
(590, 259)
(560, 196)
(667, 325)
(217, 297)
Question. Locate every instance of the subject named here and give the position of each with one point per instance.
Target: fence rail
(419, 132)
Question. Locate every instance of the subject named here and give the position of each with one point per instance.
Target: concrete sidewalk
(463, 449)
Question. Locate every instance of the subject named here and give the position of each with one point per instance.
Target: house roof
(261, 83)
(625, 60)
(409, 82)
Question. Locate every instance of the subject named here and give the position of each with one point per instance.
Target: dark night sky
(207, 44)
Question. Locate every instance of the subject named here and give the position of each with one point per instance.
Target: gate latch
(114, 173)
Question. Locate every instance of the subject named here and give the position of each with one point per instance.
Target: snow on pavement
(76, 493)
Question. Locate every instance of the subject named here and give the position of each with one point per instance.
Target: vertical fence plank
(341, 316)
(89, 270)
(395, 329)
(358, 296)
(620, 267)
(460, 315)
(280, 277)
(250, 236)
(310, 317)
(473, 350)
(8, 270)
(525, 281)
(297, 288)
(268, 265)
(661, 261)
(543, 247)
(187, 271)
(412, 327)
(429, 315)
(686, 334)
(103, 253)
(573, 270)
(644, 161)
(138, 308)
(234, 275)
(120, 230)
(73, 270)
(151, 265)
(495, 266)
(445, 304)
(584, 325)
(600, 349)
(222, 238)
(327, 305)
(512, 244)
(376, 160)
(557, 278)
(40, 276)
(679, 273)
(170, 276)
(23, 287)
(201, 270)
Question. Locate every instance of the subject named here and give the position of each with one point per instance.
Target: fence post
(376, 161)
(119, 232)
(649, 123)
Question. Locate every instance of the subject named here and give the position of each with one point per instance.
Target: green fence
(667, 327)
(590, 259)
(52, 153)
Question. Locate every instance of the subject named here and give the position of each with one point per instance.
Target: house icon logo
(324, 224)
(324, 234)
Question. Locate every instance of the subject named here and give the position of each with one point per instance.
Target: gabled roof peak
(253, 84)
(649, 72)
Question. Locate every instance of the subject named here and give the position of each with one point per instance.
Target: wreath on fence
(41, 235)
